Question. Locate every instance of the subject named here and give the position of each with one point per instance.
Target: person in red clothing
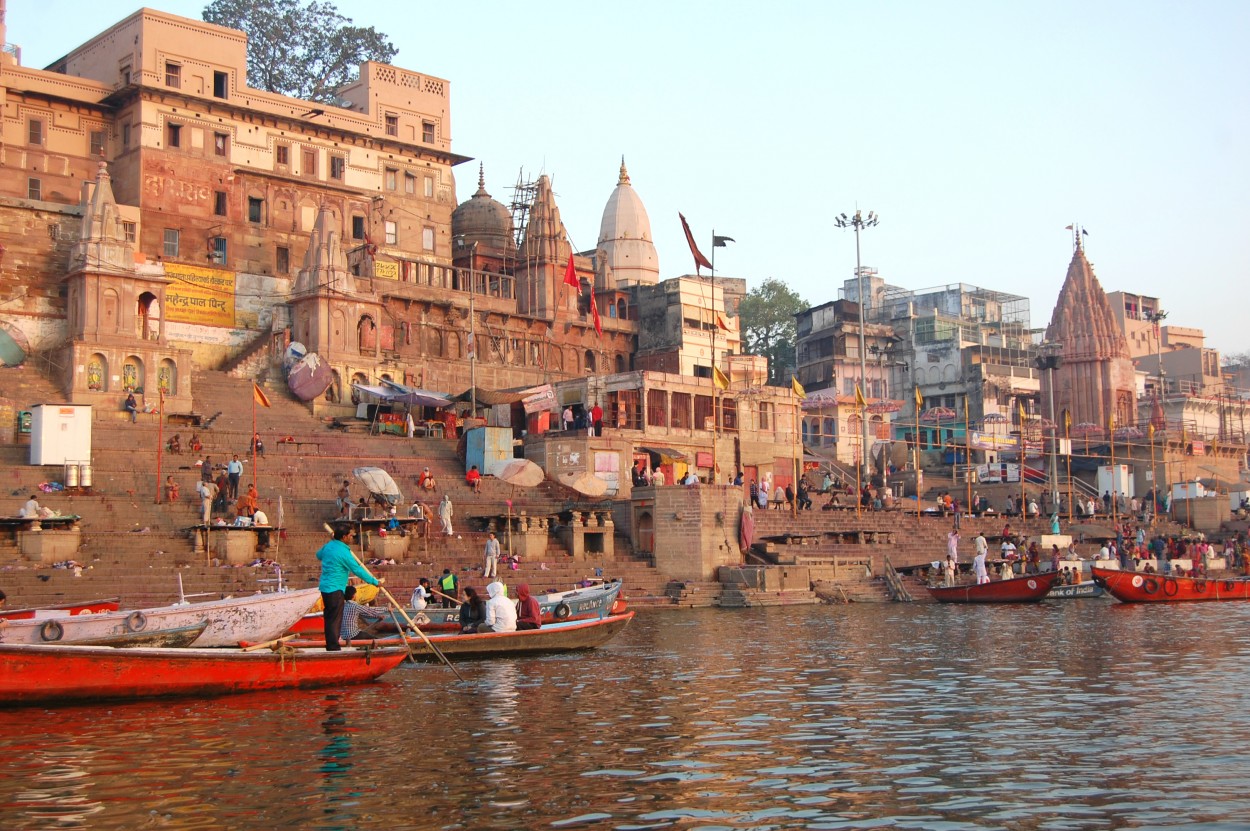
(596, 419)
(529, 614)
(474, 479)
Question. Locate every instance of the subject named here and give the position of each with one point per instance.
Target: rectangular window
(429, 187)
(410, 183)
(392, 125)
(766, 410)
(219, 203)
(125, 136)
(337, 167)
(221, 85)
(221, 143)
(427, 132)
(392, 233)
(172, 242)
(173, 75)
(310, 162)
(217, 250)
(391, 178)
(358, 227)
(427, 238)
(128, 228)
(282, 155)
(34, 189)
(283, 264)
(97, 142)
(657, 408)
(704, 412)
(173, 135)
(255, 209)
(125, 76)
(680, 404)
(34, 131)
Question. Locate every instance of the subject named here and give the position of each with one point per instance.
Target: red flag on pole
(570, 274)
(594, 313)
(699, 259)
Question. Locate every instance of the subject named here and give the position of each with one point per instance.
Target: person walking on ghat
(491, 569)
(337, 565)
(445, 513)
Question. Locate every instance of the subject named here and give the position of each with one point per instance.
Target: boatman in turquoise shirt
(337, 565)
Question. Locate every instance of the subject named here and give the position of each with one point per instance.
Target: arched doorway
(646, 532)
(590, 361)
(148, 318)
(357, 378)
(366, 335)
(620, 363)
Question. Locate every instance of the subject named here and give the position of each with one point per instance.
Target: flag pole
(1114, 500)
(916, 452)
(967, 455)
(1067, 434)
(253, 442)
(160, 440)
(862, 461)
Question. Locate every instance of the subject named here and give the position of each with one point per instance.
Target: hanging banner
(199, 295)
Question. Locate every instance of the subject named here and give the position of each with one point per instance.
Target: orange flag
(259, 395)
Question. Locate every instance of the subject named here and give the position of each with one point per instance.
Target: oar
(256, 647)
(400, 609)
(445, 597)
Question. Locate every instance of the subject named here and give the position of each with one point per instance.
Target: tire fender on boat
(1200, 586)
(1150, 585)
(136, 621)
(1229, 585)
(51, 630)
(1170, 586)
(562, 611)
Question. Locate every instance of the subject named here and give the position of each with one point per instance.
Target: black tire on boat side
(1151, 585)
(562, 611)
(1200, 586)
(51, 631)
(1229, 585)
(136, 622)
(1170, 586)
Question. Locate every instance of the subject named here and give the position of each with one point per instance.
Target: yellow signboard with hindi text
(199, 295)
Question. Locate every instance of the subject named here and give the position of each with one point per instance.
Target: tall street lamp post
(1050, 359)
(859, 222)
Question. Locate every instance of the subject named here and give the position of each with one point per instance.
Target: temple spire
(624, 177)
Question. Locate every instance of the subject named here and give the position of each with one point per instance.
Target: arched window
(149, 317)
(366, 334)
(453, 346)
(167, 377)
(334, 392)
(132, 374)
(110, 318)
(358, 378)
(590, 361)
(338, 331)
(433, 342)
(98, 373)
(620, 308)
(620, 363)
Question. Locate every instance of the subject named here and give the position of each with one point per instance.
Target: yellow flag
(1150, 431)
(1111, 422)
(859, 397)
(797, 387)
(719, 378)
(919, 399)
(1020, 410)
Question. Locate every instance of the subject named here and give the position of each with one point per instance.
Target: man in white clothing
(500, 611)
(492, 556)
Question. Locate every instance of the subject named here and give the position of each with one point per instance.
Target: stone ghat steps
(27, 387)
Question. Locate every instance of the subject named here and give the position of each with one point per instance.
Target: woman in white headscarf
(500, 611)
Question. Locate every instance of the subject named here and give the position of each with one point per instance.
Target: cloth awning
(398, 394)
(665, 452)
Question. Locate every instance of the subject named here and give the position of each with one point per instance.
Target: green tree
(305, 51)
(767, 320)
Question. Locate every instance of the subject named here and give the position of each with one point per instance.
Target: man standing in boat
(337, 565)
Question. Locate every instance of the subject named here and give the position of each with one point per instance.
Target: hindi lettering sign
(199, 295)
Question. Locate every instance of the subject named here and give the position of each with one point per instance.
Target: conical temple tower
(1096, 378)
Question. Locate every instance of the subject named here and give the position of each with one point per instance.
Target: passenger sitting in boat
(472, 611)
(1008, 571)
(500, 612)
(529, 613)
(354, 613)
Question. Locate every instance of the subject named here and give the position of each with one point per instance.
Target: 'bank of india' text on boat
(1076, 591)
(255, 618)
(565, 636)
(1027, 589)
(41, 674)
(1135, 587)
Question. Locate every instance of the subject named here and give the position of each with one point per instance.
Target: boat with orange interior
(1029, 588)
(1139, 587)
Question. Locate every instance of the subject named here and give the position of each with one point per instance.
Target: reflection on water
(1080, 714)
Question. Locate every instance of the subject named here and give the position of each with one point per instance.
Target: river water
(1068, 714)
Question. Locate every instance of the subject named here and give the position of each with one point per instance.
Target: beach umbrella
(587, 484)
(938, 414)
(379, 483)
(1128, 433)
(519, 472)
(1085, 428)
(886, 406)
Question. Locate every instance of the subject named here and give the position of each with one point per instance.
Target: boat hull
(86, 607)
(256, 618)
(1135, 587)
(1027, 589)
(1076, 591)
(566, 636)
(39, 674)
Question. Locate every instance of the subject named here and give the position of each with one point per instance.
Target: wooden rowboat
(1136, 587)
(41, 674)
(1027, 589)
(565, 636)
(85, 607)
(176, 638)
(255, 618)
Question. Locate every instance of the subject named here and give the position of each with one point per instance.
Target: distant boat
(309, 377)
(52, 674)
(1138, 587)
(1027, 589)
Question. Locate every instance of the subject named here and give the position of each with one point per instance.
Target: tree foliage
(305, 51)
(768, 328)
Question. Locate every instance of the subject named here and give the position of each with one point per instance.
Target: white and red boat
(85, 607)
(1137, 587)
(1027, 589)
(256, 618)
(42, 673)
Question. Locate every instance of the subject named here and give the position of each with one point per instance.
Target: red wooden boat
(86, 607)
(42, 674)
(1135, 587)
(1027, 589)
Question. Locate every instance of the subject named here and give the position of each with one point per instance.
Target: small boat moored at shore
(1138, 587)
(1027, 589)
(44, 674)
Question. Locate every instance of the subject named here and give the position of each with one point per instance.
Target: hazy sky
(976, 130)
